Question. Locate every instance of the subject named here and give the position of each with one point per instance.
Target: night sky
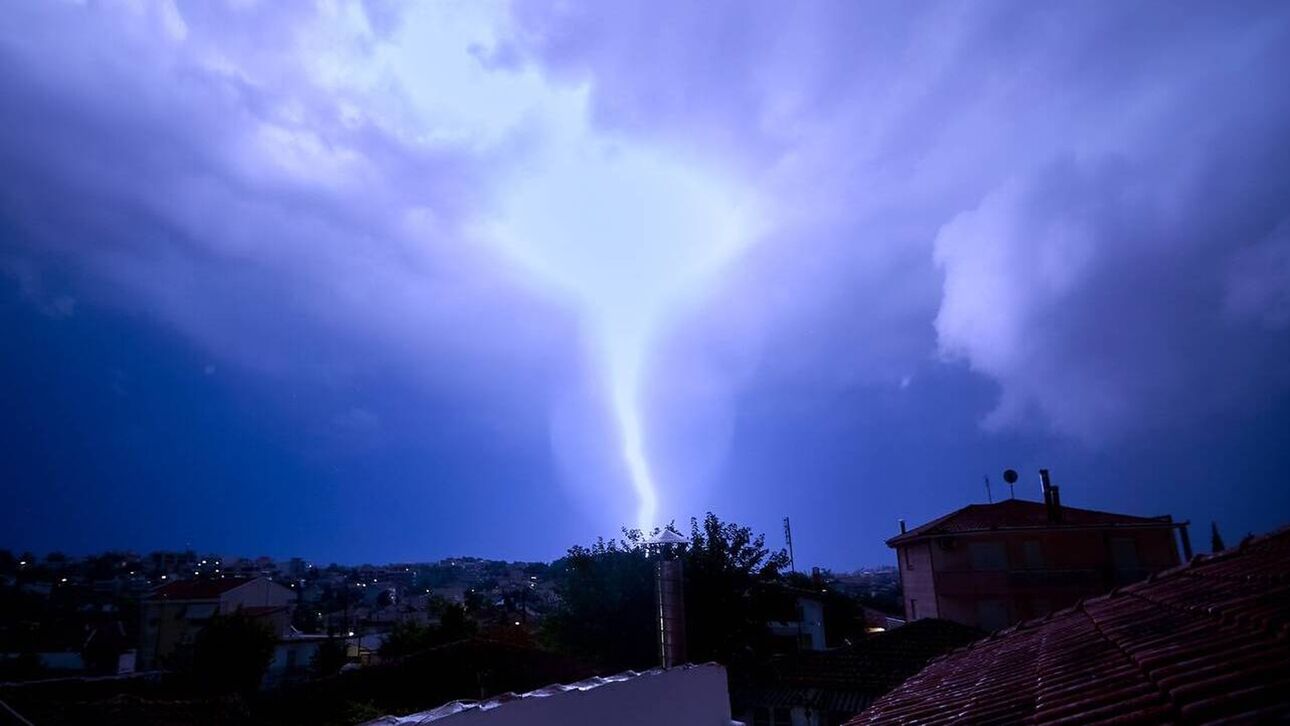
(382, 282)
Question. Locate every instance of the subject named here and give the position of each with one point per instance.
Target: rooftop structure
(1203, 642)
(690, 695)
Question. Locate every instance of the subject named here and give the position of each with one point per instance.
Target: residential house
(800, 620)
(175, 613)
(989, 565)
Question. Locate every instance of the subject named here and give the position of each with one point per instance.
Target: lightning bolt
(627, 411)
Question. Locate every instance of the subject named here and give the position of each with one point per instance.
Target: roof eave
(909, 537)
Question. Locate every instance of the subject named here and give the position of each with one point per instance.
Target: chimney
(902, 526)
(671, 612)
(1052, 497)
(669, 579)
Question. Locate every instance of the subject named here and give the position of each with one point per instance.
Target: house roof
(198, 589)
(1021, 514)
(453, 708)
(1205, 641)
(262, 611)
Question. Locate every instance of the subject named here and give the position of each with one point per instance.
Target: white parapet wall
(689, 695)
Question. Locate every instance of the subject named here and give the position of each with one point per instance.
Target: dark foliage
(231, 654)
(466, 669)
(328, 659)
(606, 596)
(407, 637)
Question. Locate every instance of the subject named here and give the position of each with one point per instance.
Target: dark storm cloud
(195, 166)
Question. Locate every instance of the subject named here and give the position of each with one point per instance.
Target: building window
(913, 609)
(1034, 556)
(988, 556)
(909, 560)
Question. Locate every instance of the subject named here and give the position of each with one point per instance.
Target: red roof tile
(198, 589)
(1206, 641)
(1021, 513)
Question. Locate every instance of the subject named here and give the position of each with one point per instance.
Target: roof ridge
(942, 524)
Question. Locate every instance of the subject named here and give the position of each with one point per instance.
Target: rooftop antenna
(988, 496)
(1010, 477)
(788, 542)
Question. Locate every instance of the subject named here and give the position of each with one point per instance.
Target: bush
(231, 654)
(328, 659)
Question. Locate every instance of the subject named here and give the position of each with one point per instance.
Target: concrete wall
(918, 580)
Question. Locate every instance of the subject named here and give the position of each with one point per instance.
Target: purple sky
(381, 281)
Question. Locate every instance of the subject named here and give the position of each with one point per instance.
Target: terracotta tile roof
(197, 589)
(1206, 641)
(1021, 513)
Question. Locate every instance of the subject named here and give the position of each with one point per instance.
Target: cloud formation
(1085, 205)
(1071, 196)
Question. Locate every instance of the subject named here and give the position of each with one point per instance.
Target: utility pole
(788, 541)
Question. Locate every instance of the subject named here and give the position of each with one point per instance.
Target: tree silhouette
(231, 654)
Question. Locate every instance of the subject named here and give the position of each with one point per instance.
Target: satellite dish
(1010, 476)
